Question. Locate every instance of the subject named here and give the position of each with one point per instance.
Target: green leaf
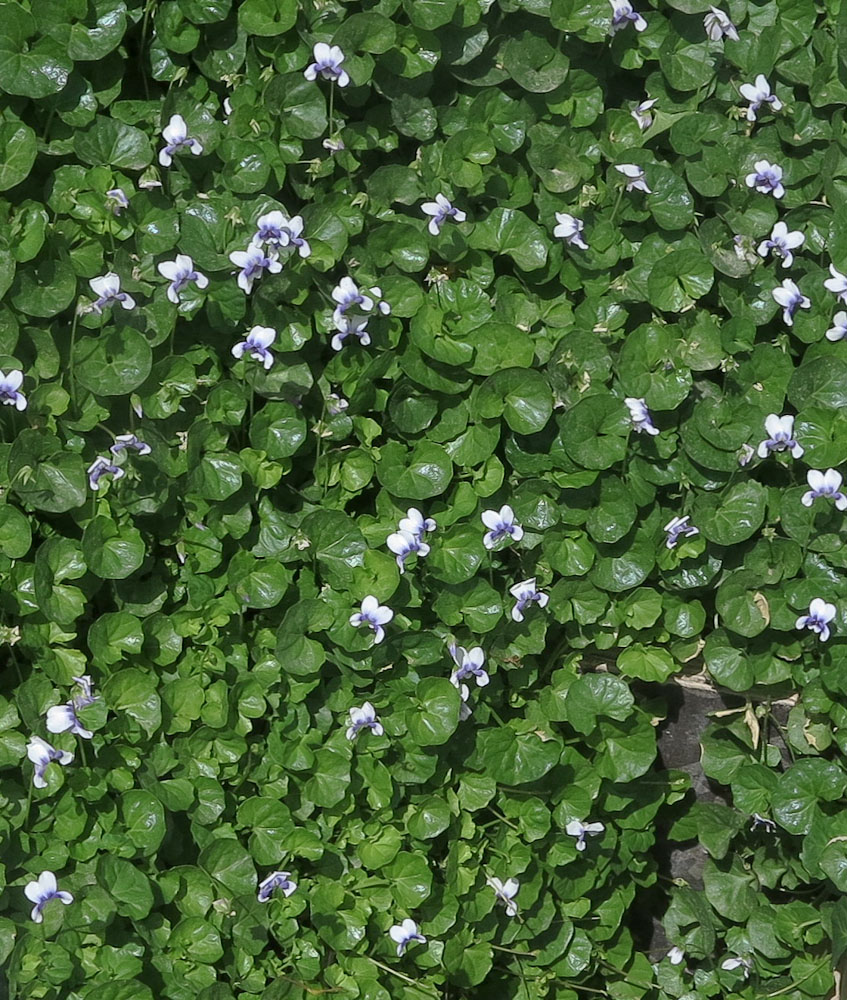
(419, 474)
(19, 150)
(107, 141)
(733, 516)
(230, 865)
(516, 758)
(111, 551)
(435, 716)
(509, 231)
(114, 363)
(144, 820)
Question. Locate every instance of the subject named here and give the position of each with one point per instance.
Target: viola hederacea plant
(781, 243)
(374, 615)
(757, 94)
(821, 614)
(44, 889)
(505, 892)
(825, 485)
(276, 882)
(227, 427)
(780, 431)
(364, 717)
(719, 26)
(404, 933)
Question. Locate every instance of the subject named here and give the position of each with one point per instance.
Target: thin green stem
(71, 379)
(617, 205)
(331, 108)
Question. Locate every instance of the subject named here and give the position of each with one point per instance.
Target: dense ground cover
(385, 425)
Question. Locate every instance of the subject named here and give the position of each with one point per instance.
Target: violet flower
(635, 178)
(441, 210)
(328, 60)
(837, 283)
(356, 326)
(781, 243)
(766, 178)
(623, 14)
(640, 416)
(501, 524)
(176, 137)
(821, 613)
(179, 273)
(347, 295)
(525, 594)
(838, 331)
(580, 830)
(364, 718)
(570, 230)
(374, 615)
(679, 526)
(642, 114)
(781, 437)
(100, 467)
(505, 893)
(41, 753)
(42, 891)
(824, 484)
(10, 383)
(254, 261)
(404, 544)
(404, 933)
(258, 340)
(718, 25)
(116, 200)
(415, 523)
(107, 288)
(758, 94)
(129, 441)
(274, 881)
(789, 296)
(469, 663)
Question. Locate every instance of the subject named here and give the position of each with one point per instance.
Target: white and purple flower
(676, 527)
(838, 330)
(356, 326)
(781, 243)
(131, 442)
(41, 753)
(501, 524)
(623, 14)
(789, 296)
(635, 178)
(821, 613)
(580, 830)
(100, 467)
(766, 178)
(254, 261)
(469, 663)
(10, 383)
(415, 523)
(837, 283)
(505, 893)
(42, 891)
(364, 718)
(404, 544)
(824, 484)
(404, 933)
(570, 230)
(642, 113)
(780, 432)
(718, 26)
(257, 342)
(328, 62)
(276, 881)
(107, 288)
(179, 273)
(731, 964)
(525, 594)
(640, 416)
(374, 615)
(116, 200)
(757, 94)
(176, 137)
(441, 210)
